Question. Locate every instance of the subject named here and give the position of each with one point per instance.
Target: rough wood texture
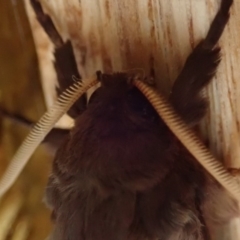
(112, 35)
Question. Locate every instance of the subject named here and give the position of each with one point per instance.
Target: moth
(120, 173)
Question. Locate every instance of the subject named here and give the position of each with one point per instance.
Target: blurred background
(23, 215)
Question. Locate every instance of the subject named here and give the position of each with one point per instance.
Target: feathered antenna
(41, 129)
(163, 108)
(190, 140)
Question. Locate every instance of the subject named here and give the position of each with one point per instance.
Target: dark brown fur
(120, 173)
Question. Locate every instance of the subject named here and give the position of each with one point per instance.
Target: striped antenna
(190, 140)
(40, 130)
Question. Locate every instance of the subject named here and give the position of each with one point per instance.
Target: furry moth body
(121, 173)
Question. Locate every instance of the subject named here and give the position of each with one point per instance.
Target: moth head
(114, 87)
(118, 81)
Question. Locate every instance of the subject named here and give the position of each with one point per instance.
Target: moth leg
(198, 70)
(65, 63)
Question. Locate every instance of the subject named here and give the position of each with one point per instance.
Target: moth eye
(147, 113)
(144, 111)
(140, 105)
